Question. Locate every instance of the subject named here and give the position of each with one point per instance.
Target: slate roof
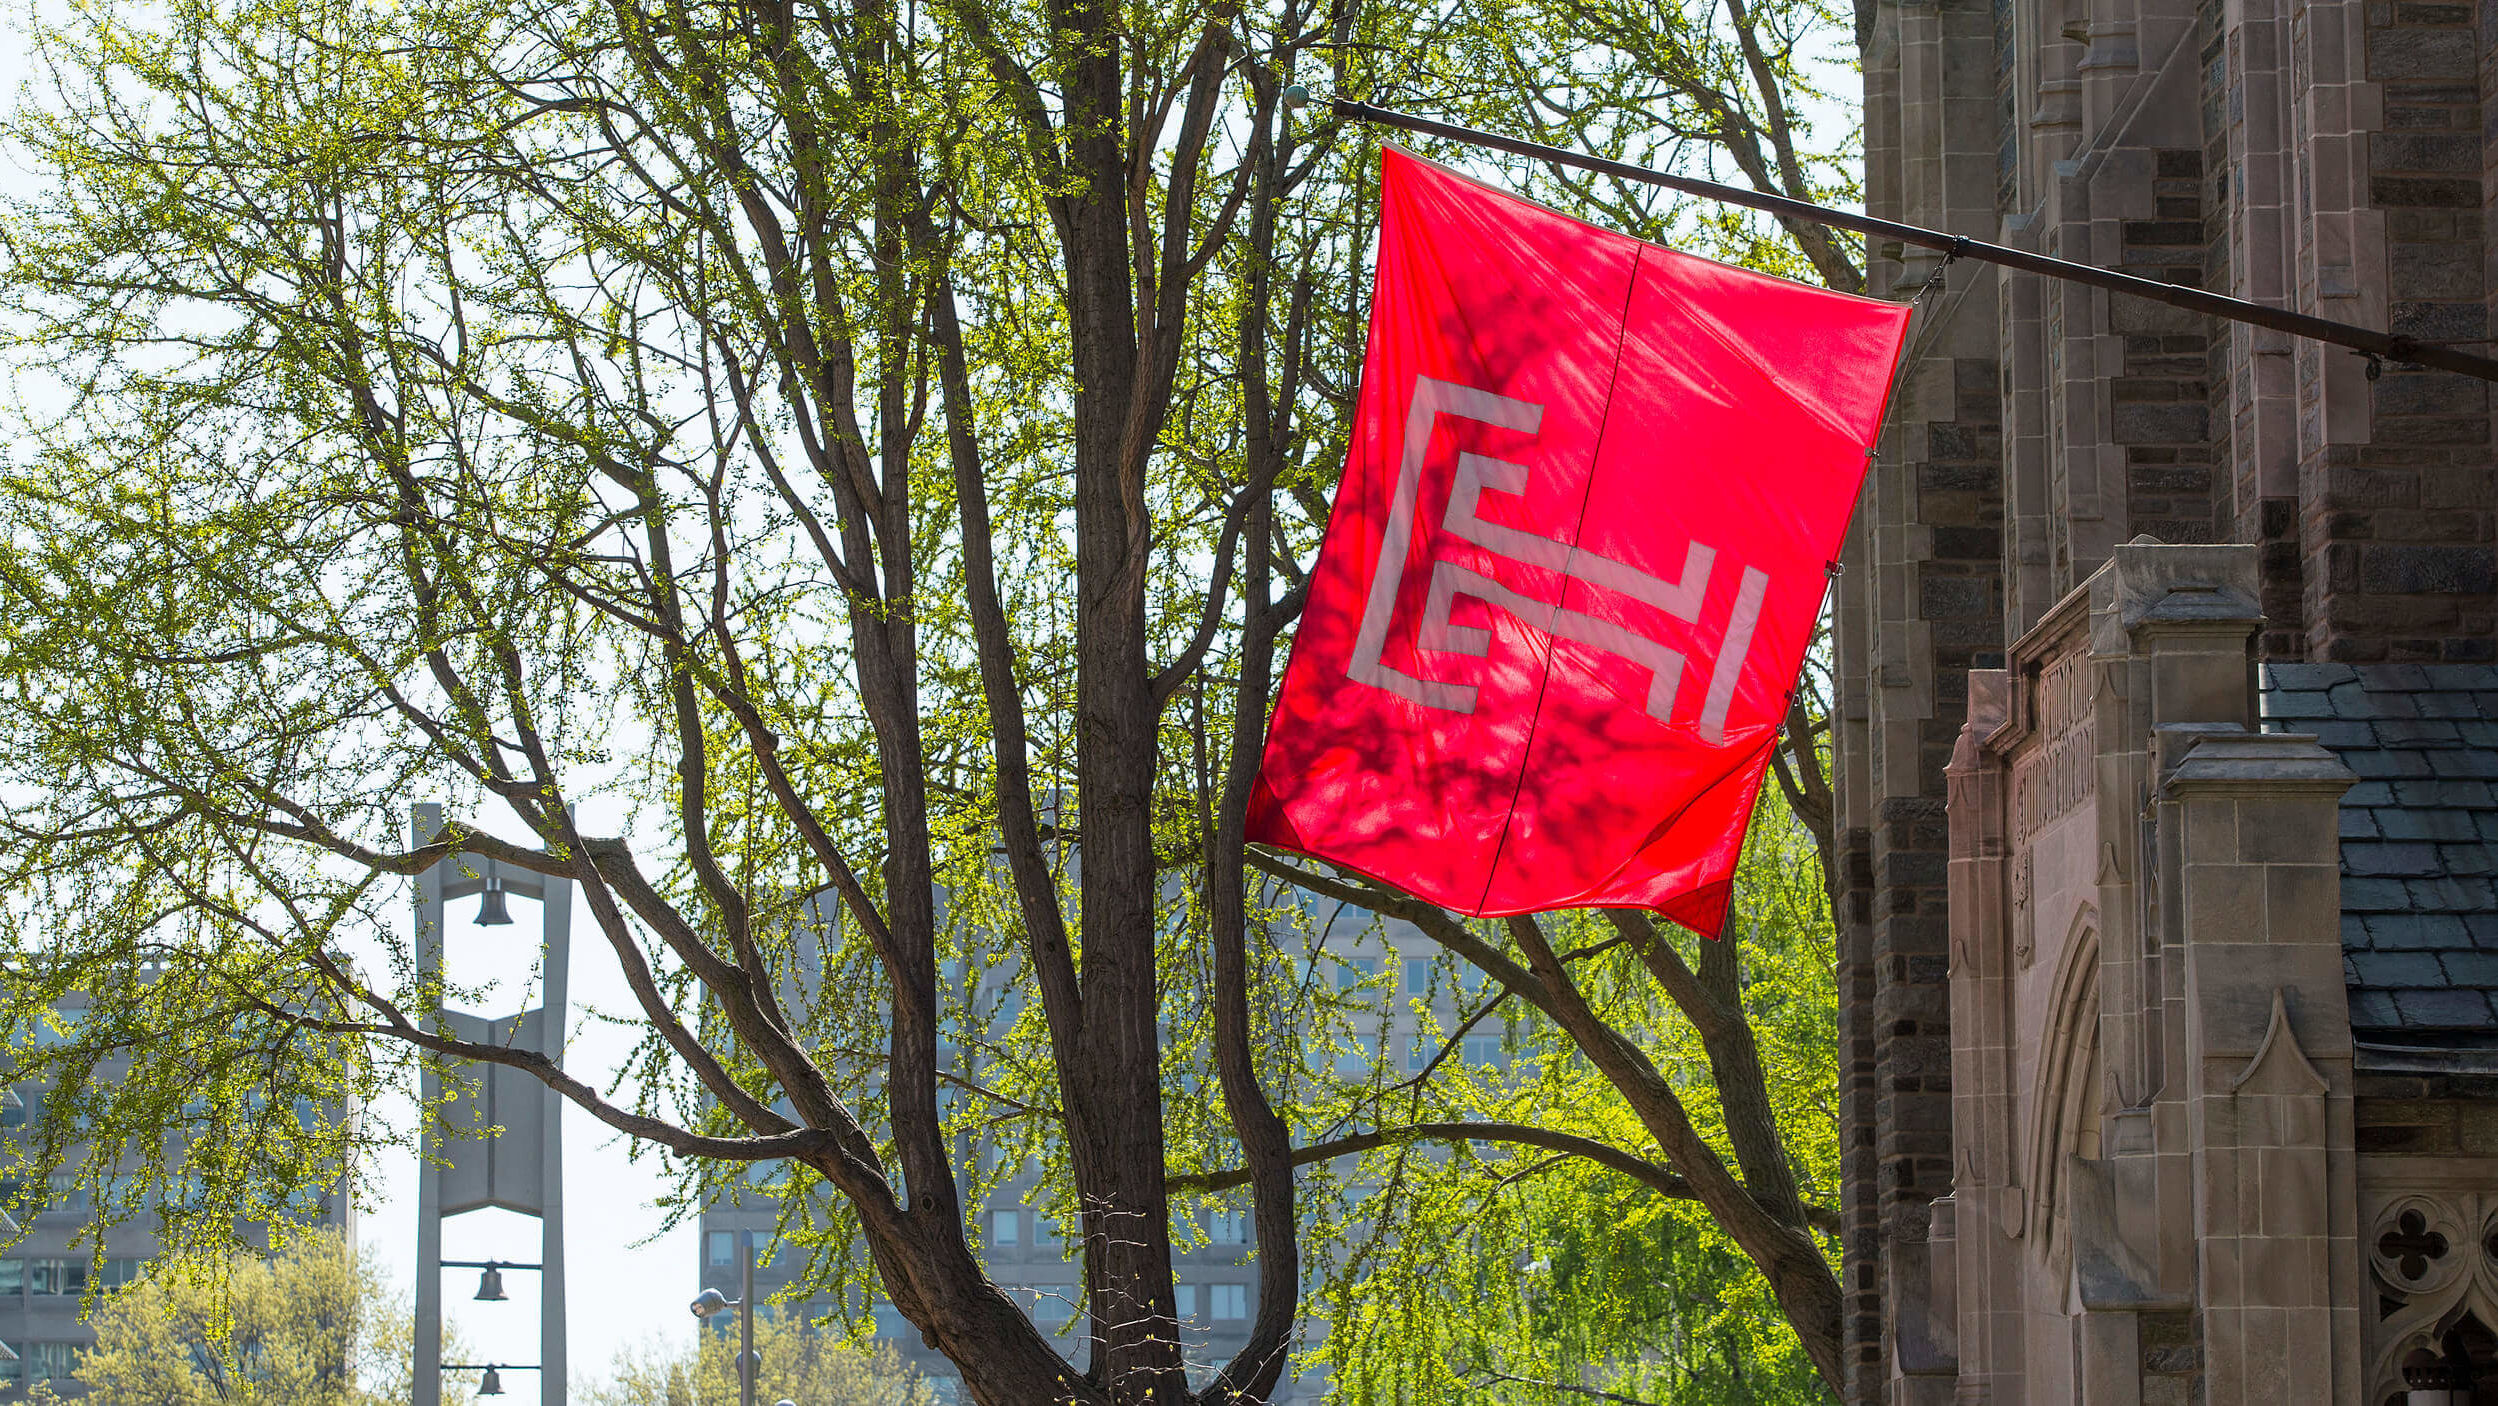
(2419, 837)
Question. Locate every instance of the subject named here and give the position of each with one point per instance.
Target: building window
(51, 1361)
(722, 1247)
(1005, 1227)
(1353, 971)
(57, 1277)
(1361, 1052)
(1229, 1300)
(121, 1272)
(12, 1275)
(1228, 1227)
(1044, 1230)
(1185, 1296)
(1417, 976)
(12, 1372)
(1417, 1054)
(22, 1197)
(889, 1321)
(67, 1194)
(1483, 1049)
(1053, 1306)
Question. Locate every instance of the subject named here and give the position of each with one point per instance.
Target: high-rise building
(44, 1278)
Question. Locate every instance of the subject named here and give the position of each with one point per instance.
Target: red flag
(1584, 530)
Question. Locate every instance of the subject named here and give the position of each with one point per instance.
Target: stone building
(2168, 721)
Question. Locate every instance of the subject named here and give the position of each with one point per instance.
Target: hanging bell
(490, 910)
(492, 1385)
(490, 1285)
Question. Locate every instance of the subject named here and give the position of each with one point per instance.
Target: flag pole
(2375, 345)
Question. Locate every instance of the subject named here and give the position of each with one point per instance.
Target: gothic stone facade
(2168, 653)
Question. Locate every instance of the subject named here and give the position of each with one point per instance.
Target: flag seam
(1578, 529)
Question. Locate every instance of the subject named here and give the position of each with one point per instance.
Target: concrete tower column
(520, 1168)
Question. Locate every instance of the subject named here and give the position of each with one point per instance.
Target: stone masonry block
(2423, 53)
(2301, 900)
(2434, 272)
(2393, 152)
(2212, 832)
(2403, 570)
(2298, 830)
(2151, 423)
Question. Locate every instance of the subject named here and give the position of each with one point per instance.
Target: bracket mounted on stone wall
(2367, 341)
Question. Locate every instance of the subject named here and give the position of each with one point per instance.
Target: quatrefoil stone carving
(2411, 1245)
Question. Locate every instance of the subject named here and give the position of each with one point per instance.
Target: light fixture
(490, 1285)
(709, 1302)
(492, 1385)
(490, 910)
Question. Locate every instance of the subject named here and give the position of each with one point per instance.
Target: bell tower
(465, 1168)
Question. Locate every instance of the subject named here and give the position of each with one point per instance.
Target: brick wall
(1920, 603)
(1860, 1222)
(2401, 541)
(1960, 601)
(2423, 1116)
(2256, 498)
(2161, 409)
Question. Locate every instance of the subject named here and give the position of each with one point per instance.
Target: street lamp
(711, 1302)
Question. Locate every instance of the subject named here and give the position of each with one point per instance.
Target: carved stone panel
(2429, 1232)
(2054, 778)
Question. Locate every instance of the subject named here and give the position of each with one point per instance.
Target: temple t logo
(1475, 473)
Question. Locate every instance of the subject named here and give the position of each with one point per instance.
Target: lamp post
(712, 1301)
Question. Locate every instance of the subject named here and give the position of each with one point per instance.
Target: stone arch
(2067, 1091)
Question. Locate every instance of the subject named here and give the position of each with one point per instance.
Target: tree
(879, 447)
(1544, 1279)
(1723, 88)
(310, 1325)
(799, 1363)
